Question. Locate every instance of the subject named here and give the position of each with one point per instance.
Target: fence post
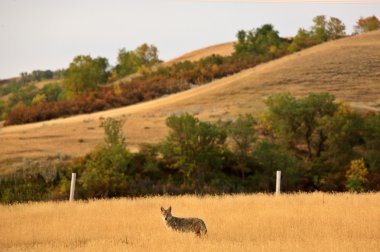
(278, 182)
(72, 188)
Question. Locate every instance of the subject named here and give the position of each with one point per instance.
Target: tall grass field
(256, 222)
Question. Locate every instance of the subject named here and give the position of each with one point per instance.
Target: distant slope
(348, 68)
(224, 49)
(9, 80)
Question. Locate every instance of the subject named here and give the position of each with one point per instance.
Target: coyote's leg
(198, 231)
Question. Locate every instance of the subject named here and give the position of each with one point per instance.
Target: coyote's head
(166, 214)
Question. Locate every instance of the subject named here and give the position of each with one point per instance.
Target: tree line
(317, 143)
(87, 83)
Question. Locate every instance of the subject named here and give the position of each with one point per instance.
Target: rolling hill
(349, 68)
(224, 49)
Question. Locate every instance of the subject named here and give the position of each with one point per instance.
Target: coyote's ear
(170, 209)
(162, 209)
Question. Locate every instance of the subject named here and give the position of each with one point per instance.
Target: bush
(194, 148)
(357, 176)
(105, 169)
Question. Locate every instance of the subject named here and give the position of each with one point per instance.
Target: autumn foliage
(164, 81)
(101, 99)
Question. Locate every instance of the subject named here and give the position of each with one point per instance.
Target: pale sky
(48, 34)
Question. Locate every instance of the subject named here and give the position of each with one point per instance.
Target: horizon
(42, 35)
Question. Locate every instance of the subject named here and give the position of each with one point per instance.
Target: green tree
(243, 135)
(3, 109)
(324, 30)
(148, 54)
(263, 40)
(266, 39)
(241, 45)
(336, 28)
(39, 75)
(24, 95)
(319, 29)
(85, 73)
(371, 135)
(367, 24)
(129, 62)
(52, 92)
(194, 147)
(303, 39)
(296, 121)
(105, 172)
(342, 132)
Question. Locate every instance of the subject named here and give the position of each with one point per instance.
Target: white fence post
(72, 188)
(278, 182)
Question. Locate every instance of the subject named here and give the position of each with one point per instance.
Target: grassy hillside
(347, 68)
(224, 49)
(261, 222)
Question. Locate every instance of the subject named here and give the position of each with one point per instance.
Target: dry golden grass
(260, 222)
(348, 68)
(225, 49)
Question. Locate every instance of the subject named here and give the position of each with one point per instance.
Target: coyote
(183, 224)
